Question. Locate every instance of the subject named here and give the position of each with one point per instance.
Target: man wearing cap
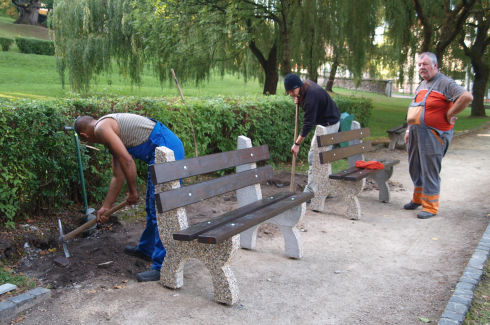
(129, 136)
(319, 109)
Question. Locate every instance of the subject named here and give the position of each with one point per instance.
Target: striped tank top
(133, 129)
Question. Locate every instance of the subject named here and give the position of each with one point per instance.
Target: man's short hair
(81, 123)
(432, 57)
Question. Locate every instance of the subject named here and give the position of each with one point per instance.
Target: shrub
(34, 46)
(5, 43)
(38, 166)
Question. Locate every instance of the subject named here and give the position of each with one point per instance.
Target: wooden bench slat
(173, 170)
(329, 139)
(193, 231)
(183, 196)
(340, 153)
(219, 234)
(355, 174)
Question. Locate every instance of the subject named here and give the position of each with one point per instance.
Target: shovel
(65, 238)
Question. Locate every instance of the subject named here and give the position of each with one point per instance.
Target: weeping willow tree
(89, 35)
(335, 31)
(192, 37)
(440, 26)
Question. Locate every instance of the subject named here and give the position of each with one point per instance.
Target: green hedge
(34, 46)
(5, 43)
(38, 160)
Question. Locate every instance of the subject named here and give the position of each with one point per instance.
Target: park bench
(397, 135)
(214, 242)
(350, 182)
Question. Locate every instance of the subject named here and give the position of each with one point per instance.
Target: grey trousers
(311, 186)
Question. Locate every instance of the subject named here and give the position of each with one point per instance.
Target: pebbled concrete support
(286, 221)
(216, 258)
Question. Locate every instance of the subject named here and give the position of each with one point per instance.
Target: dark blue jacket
(319, 108)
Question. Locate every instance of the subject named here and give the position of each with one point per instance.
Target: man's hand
(295, 150)
(451, 119)
(405, 139)
(132, 198)
(100, 218)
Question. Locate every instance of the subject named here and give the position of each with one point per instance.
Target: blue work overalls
(426, 148)
(150, 243)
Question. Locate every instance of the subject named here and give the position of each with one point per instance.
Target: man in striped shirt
(126, 136)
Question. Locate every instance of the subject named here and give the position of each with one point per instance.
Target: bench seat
(397, 135)
(215, 242)
(348, 183)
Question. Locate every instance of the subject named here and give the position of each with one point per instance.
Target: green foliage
(38, 167)
(5, 43)
(37, 160)
(34, 46)
(22, 282)
(361, 108)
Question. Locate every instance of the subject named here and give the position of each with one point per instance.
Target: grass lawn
(36, 76)
(11, 30)
(390, 112)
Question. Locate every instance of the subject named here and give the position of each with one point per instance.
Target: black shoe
(150, 275)
(425, 215)
(133, 251)
(411, 206)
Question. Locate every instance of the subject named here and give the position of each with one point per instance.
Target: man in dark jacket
(319, 109)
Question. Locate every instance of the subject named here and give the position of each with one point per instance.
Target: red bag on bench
(369, 164)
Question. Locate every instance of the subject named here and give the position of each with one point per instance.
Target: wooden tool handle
(293, 163)
(92, 222)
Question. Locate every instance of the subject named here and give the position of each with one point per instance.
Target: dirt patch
(100, 254)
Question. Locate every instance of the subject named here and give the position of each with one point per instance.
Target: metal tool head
(62, 240)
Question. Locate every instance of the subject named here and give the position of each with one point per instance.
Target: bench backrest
(180, 169)
(345, 136)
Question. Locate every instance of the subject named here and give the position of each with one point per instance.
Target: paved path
(387, 268)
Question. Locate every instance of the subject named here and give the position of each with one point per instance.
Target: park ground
(386, 268)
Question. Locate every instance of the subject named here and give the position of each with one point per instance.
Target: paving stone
(453, 315)
(39, 291)
(466, 279)
(14, 305)
(447, 321)
(7, 310)
(464, 293)
(473, 273)
(465, 286)
(21, 299)
(7, 287)
(460, 300)
(457, 308)
(476, 263)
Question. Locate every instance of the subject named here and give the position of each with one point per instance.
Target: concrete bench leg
(216, 258)
(286, 221)
(381, 178)
(349, 191)
(320, 174)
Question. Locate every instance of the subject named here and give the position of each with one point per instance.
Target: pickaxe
(65, 238)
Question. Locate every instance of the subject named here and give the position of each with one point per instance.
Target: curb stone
(11, 307)
(460, 302)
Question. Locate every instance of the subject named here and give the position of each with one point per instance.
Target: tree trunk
(331, 77)
(270, 67)
(28, 13)
(479, 88)
(479, 62)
